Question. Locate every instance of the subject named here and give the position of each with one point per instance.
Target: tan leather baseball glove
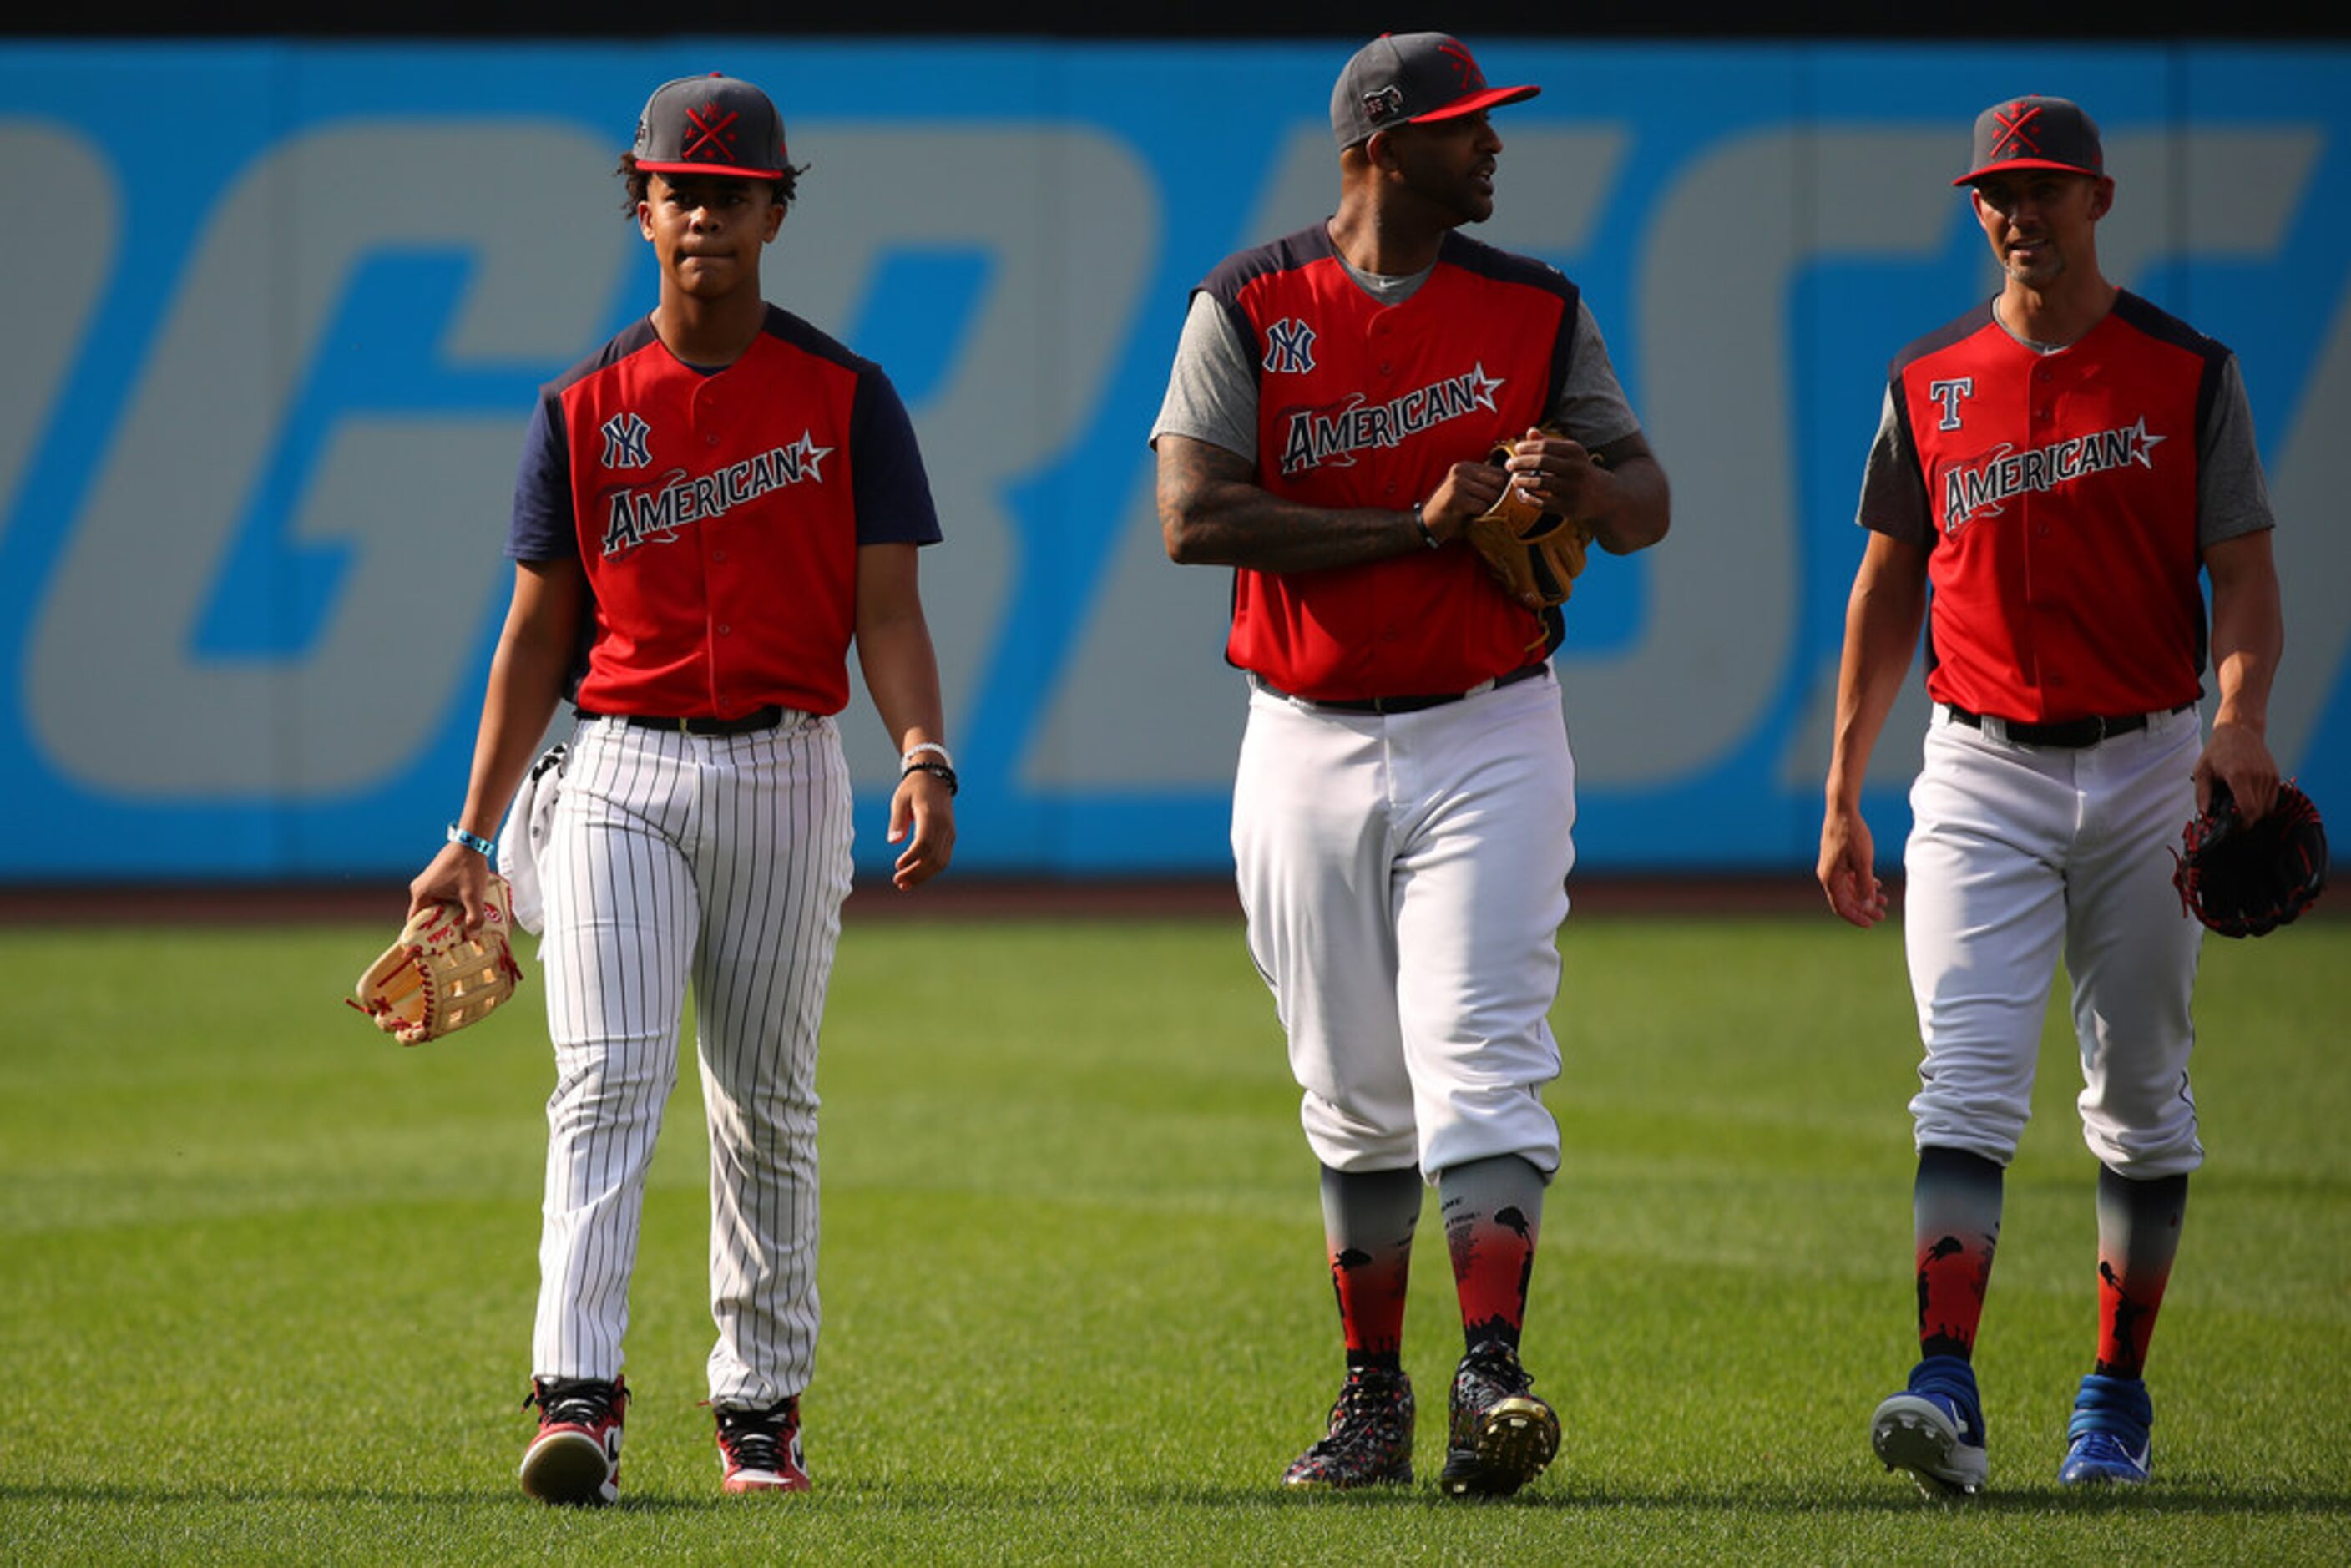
(436, 978)
(1532, 553)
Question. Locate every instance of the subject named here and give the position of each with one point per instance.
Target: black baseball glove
(2247, 880)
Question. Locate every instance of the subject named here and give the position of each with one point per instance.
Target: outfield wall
(280, 310)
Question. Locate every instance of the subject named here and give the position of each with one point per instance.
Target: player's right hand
(1468, 491)
(456, 875)
(1848, 869)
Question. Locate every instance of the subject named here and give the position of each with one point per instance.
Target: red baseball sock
(1368, 1218)
(1493, 1215)
(2138, 1236)
(1955, 1215)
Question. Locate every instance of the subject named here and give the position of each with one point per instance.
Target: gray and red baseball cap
(2034, 132)
(1401, 78)
(711, 124)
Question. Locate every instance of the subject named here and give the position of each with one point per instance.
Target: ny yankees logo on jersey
(624, 441)
(654, 515)
(1331, 436)
(1981, 487)
(1289, 347)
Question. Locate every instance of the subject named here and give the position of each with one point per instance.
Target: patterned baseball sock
(1493, 1212)
(1368, 1218)
(1955, 1214)
(2138, 1236)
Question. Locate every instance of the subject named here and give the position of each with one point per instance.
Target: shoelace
(753, 1437)
(1497, 1366)
(1363, 1404)
(584, 1402)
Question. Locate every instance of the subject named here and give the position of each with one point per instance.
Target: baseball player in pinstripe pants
(710, 511)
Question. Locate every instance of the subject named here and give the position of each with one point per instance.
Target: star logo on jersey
(809, 456)
(625, 442)
(1289, 347)
(1331, 436)
(655, 514)
(1982, 487)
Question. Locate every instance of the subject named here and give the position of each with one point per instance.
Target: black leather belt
(1403, 705)
(2071, 734)
(758, 718)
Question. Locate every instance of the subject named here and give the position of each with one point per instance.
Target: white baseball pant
(1404, 878)
(2018, 855)
(722, 862)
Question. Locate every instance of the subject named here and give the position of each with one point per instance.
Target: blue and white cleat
(1935, 1429)
(2107, 1439)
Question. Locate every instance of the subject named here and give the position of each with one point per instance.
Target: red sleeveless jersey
(2064, 492)
(717, 523)
(1366, 404)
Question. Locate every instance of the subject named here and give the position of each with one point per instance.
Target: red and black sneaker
(576, 1458)
(1370, 1439)
(1501, 1435)
(761, 1450)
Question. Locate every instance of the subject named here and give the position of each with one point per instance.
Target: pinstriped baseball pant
(719, 862)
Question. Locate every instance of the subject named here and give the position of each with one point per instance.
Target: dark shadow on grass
(2187, 1498)
(117, 1494)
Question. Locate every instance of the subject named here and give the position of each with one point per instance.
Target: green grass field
(266, 1279)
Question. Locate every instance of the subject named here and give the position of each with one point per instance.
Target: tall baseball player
(710, 510)
(1403, 810)
(2059, 465)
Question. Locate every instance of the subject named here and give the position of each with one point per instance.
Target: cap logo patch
(1385, 103)
(1465, 69)
(2017, 136)
(714, 132)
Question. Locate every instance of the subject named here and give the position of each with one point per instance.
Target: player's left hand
(2239, 757)
(1558, 472)
(923, 804)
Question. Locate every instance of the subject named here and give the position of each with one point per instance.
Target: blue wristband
(474, 841)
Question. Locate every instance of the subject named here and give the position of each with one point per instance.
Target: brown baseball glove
(436, 978)
(1532, 552)
(2247, 880)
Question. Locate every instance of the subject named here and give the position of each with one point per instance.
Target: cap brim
(724, 168)
(2015, 164)
(1474, 102)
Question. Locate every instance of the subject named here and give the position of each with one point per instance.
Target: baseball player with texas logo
(2059, 465)
(1404, 800)
(710, 511)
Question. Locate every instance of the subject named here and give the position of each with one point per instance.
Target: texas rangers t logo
(1947, 395)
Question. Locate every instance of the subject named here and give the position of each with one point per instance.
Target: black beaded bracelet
(938, 771)
(1421, 523)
